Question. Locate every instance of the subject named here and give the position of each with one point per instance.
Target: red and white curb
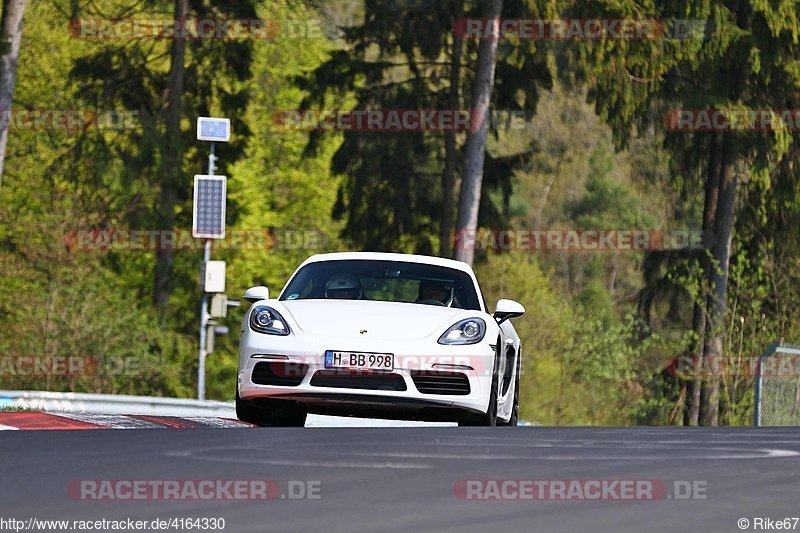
(36, 420)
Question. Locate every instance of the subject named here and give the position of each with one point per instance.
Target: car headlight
(469, 331)
(267, 320)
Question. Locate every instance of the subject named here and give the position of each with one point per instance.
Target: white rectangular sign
(213, 129)
(215, 277)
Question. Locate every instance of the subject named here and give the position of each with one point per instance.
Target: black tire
(489, 418)
(270, 414)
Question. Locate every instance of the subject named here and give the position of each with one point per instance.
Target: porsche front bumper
(428, 383)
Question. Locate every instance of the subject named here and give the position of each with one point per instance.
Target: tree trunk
(692, 415)
(450, 147)
(10, 37)
(171, 167)
(699, 316)
(718, 275)
(475, 151)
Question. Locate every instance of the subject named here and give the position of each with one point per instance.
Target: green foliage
(399, 57)
(57, 299)
(576, 369)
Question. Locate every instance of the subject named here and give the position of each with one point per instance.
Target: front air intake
(279, 373)
(437, 382)
(347, 379)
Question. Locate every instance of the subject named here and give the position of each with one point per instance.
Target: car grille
(345, 379)
(435, 382)
(280, 373)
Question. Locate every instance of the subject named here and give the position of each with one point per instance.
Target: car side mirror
(255, 294)
(507, 309)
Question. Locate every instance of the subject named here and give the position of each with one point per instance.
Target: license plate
(359, 360)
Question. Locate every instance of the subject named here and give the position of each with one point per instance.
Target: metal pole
(201, 367)
(201, 353)
(211, 160)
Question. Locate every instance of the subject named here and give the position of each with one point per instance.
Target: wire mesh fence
(777, 386)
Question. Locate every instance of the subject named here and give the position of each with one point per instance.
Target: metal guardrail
(776, 398)
(118, 404)
(115, 404)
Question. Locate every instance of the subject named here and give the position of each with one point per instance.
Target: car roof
(386, 256)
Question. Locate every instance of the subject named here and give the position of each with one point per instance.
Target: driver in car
(433, 291)
(343, 287)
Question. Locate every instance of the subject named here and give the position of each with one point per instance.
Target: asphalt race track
(402, 479)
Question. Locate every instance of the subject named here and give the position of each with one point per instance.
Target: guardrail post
(757, 395)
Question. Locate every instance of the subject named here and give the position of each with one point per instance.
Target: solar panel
(208, 220)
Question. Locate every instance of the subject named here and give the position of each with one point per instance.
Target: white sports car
(378, 335)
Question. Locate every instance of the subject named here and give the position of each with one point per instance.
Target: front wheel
(489, 418)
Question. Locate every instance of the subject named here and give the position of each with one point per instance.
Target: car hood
(373, 319)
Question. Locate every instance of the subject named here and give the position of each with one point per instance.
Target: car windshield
(387, 281)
